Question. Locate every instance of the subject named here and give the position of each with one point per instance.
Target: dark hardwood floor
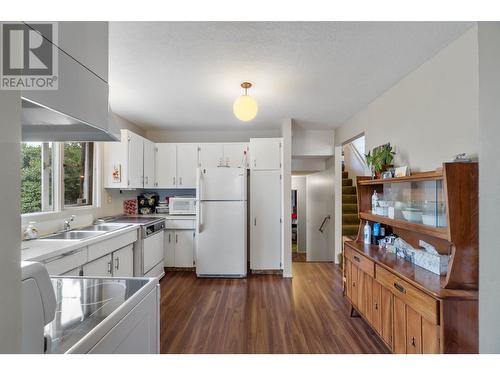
(262, 314)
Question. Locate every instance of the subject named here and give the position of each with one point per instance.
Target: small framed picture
(401, 171)
(117, 173)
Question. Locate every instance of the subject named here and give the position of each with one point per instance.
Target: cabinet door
(399, 326)
(265, 153)
(430, 337)
(368, 297)
(187, 162)
(166, 165)
(102, 267)
(149, 164)
(236, 155)
(169, 248)
(354, 285)
(135, 160)
(386, 307)
(184, 248)
(361, 292)
(265, 220)
(377, 307)
(413, 331)
(348, 279)
(123, 262)
(210, 155)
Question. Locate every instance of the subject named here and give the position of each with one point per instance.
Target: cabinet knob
(413, 341)
(376, 306)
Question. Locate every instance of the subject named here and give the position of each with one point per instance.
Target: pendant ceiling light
(245, 107)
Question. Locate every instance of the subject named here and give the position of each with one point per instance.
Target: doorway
(299, 237)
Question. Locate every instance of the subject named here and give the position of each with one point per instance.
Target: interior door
(187, 162)
(236, 155)
(211, 155)
(169, 256)
(166, 165)
(101, 267)
(265, 216)
(135, 160)
(123, 262)
(149, 164)
(265, 153)
(184, 248)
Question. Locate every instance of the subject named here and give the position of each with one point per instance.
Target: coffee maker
(146, 203)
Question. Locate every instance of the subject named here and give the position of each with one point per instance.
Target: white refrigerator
(221, 231)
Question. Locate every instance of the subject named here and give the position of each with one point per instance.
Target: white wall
(431, 114)
(10, 228)
(312, 143)
(209, 135)
(489, 183)
(353, 164)
(299, 184)
(118, 122)
(320, 203)
(286, 235)
(308, 165)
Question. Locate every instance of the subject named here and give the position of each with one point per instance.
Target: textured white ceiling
(186, 75)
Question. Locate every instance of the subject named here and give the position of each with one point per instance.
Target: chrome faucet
(67, 223)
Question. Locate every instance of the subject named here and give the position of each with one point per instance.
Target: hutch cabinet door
(430, 337)
(354, 285)
(348, 279)
(361, 292)
(399, 326)
(386, 307)
(377, 307)
(413, 331)
(367, 296)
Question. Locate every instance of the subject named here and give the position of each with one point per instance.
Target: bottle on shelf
(367, 233)
(375, 199)
(375, 234)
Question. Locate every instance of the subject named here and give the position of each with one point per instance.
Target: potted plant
(380, 159)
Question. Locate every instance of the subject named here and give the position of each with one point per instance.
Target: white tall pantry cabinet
(265, 204)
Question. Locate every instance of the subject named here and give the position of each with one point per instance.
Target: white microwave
(182, 206)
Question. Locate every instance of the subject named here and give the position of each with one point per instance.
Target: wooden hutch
(412, 309)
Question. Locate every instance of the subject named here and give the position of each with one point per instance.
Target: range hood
(43, 124)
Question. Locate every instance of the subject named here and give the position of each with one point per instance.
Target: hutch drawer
(363, 263)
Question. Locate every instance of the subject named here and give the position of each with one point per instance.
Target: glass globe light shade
(245, 108)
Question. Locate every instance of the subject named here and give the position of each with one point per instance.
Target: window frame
(58, 184)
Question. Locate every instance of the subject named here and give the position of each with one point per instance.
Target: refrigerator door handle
(200, 217)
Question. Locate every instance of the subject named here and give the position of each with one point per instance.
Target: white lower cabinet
(120, 263)
(123, 262)
(99, 267)
(179, 248)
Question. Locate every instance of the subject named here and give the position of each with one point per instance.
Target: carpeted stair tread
(349, 198)
(347, 182)
(348, 190)
(345, 174)
(348, 208)
(350, 218)
(350, 229)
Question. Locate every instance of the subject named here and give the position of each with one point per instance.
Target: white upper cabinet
(135, 160)
(176, 165)
(236, 155)
(187, 162)
(130, 163)
(166, 165)
(211, 155)
(265, 153)
(149, 164)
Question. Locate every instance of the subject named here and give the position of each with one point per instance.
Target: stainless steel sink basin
(103, 227)
(74, 235)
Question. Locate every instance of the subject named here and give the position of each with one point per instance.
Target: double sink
(85, 232)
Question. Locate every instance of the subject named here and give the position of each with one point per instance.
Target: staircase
(350, 219)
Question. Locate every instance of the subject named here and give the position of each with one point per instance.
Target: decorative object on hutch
(380, 159)
(414, 310)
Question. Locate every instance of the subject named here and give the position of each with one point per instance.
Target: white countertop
(39, 250)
